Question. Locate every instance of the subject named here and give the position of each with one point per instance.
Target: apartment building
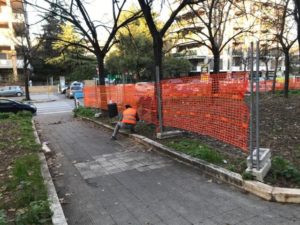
(236, 23)
(12, 24)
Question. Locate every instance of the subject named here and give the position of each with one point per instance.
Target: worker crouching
(128, 121)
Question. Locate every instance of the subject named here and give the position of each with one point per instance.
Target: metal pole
(159, 100)
(257, 105)
(251, 104)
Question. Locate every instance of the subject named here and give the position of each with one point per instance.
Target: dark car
(7, 105)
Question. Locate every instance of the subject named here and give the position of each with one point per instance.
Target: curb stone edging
(58, 217)
(264, 191)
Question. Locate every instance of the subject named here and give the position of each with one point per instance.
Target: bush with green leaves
(196, 149)
(284, 168)
(36, 213)
(2, 218)
(85, 112)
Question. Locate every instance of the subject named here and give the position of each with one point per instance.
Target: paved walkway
(122, 182)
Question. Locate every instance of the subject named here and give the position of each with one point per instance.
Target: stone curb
(58, 217)
(41, 101)
(264, 191)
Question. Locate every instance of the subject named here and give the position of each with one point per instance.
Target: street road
(54, 104)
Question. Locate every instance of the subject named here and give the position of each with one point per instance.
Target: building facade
(12, 25)
(231, 26)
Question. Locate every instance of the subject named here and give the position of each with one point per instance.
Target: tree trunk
(286, 73)
(158, 54)
(267, 70)
(101, 75)
(26, 78)
(216, 68)
(275, 74)
(157, 47)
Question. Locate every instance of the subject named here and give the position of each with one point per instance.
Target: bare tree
(297, 19)
(285, 36)
(265, 56)
(75, 12)
(277, 54)
(210, 21)
(158, 33)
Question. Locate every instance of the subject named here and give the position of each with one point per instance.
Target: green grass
(291, 92)
(27, 181)
(196, 149)
(28, 194)
(85, 112)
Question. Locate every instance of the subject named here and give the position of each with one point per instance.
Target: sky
(100, 10)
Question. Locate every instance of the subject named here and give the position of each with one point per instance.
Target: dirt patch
(280, 126)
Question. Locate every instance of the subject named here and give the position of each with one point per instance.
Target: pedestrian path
(104, 182)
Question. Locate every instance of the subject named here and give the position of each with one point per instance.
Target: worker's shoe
(113, 138)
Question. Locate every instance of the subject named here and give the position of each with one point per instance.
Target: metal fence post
(251, 104)
(159, 100)
(257, 104)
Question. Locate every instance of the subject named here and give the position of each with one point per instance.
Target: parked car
(63, 89)
(72, 90)
(8, 105)
(76, 83)
(11, 91)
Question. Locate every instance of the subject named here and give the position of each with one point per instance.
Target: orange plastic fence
(212, 105)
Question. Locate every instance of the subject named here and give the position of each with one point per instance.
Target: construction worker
(128, 120)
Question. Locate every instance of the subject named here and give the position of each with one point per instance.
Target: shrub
(37, 212)
(283, 168)
(2, 218)
(198, 150)
(247, 176)
(82, 111)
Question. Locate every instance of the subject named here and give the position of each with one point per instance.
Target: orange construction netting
(212, 105)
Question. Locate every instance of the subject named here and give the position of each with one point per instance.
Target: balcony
(2, 3)
(18, 17)
(7, 64)
(17, 6)
(188, 45)
(186, 16)
(188, 29)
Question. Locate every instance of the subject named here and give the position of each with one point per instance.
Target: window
(4, 101)
(76, 88)
(3, 56)
(5, 48)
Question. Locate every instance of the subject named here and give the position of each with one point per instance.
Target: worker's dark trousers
(122, 126)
